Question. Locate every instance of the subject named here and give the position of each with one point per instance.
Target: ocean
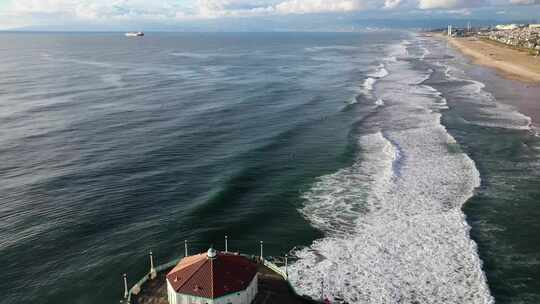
(393, 169)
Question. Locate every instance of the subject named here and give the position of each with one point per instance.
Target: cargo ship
(134, 34)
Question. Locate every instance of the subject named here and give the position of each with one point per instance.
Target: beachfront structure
(525, 38)
(503, 27)
(450, 31)
(534, 26)
(213, 278)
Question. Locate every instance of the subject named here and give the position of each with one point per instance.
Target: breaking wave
(332, 48)
(114, 80)
(394, 229)
(380, 72)
(368, 85)
(494, 114)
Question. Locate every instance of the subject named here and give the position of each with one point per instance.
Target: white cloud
(392, 3)
(449, 4)
(219, 8)
(86, 9)
(318, 6)
(525, 2)
(174, 10)
(197, 9)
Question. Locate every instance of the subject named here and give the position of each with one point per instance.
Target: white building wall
(171, 294)
(243, 297)
(506, 26)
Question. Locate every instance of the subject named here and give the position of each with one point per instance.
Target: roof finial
(211, 253)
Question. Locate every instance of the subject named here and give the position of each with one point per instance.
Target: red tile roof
(209, 278)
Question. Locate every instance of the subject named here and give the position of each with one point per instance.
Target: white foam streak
(114, 80)
(494, 114)
(77, 61)
(332, 48)
(381, 72)
(425, 52)
(368, 84)
(394, 230)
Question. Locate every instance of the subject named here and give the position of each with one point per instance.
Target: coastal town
(522, 36)
(513, 50)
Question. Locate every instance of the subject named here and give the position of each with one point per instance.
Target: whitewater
(393, 225)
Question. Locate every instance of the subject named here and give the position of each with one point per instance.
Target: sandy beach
(511, 63)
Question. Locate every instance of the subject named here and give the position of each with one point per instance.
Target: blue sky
(252, 14)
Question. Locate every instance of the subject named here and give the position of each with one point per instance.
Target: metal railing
(276, 269)
(136, 288)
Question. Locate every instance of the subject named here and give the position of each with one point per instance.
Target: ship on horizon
(134, 34)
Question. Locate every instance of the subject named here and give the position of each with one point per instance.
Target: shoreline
(510, 63)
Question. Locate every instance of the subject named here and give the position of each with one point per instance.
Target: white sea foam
(381, 72)
(425, 52)
(113, 80)
(332, 48)
(369, 83)
(193, 55)
(367, 88)
(77, 61)
(493, 113)
(394, 230)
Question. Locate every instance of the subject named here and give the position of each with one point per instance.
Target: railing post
(286, 272)
(226, 245)
(153, 273)
(185, 248)
(262, 257)
(126, 291)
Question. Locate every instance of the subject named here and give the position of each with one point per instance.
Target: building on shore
(503, 27)
(527, 38)
(534, 26)
(213, 278)
(216, 277)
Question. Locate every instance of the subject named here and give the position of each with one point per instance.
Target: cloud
(196, 9)
(318, 6)
(392, 3)
(90, 9)
(214, 8)
(58, 11)
(525, 2)
(220, 8)
(449, 4)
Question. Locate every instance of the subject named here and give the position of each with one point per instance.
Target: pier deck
(272, 289)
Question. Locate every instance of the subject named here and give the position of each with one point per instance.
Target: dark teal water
(112, 147)
(338, 144)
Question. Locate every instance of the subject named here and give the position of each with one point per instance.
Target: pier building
(213, 278)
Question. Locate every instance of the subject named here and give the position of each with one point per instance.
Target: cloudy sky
(119, 14)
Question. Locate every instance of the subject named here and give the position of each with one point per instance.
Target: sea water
(381, 160)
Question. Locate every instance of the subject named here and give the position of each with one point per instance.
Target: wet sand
(511, 63)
